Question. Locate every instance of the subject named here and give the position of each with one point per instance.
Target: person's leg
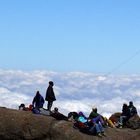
(121, 119)
(97, 128)
(49, 105)
(98, 131)
(101, 128)
(92, 129)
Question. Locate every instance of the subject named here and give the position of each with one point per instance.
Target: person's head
(37, 93)
(131, 103)
(125, 105)
(55, 109)
(51, 83)
(22, 105)
(94, 109)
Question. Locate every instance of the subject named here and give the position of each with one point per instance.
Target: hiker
(50, 96)
(22, 107)
(57, 115)
(88, 126)
(132, 109)
(38, 101)
(125, 115)
(95, 117)
(97, 121)
(72, 116)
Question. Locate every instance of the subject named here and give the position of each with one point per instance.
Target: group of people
(38, 100)
(93, 124)
(128, 111)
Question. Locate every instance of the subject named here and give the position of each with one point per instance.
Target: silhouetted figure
(50, 96)
(132, 108)
(57, 115)
(125, 115)
(22, 107)
(38, 101)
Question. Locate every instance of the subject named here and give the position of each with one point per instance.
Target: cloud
(12, 99)
(75, 91)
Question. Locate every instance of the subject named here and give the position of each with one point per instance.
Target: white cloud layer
(75, 91)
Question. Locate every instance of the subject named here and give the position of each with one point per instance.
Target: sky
(99, 36)
(89, 48)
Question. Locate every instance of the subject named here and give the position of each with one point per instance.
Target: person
(50, 96)
(73, 116)
(97, 121)
(38, 101)
(57, 115)
(88, 126)
(125, 115)
(94, 116)
(132, 109)
(22, 107)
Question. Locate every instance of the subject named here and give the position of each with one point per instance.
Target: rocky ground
(23, 125)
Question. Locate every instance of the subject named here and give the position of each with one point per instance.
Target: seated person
(73, 116)
(38, 101)
(57, 115)
(22, 107)
(125, 115)
(132, 109)
(95, 117)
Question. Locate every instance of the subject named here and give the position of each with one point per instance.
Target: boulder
(24, 125)
(133, 122)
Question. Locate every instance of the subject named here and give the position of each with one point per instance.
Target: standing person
(50, 96)
(38, 101)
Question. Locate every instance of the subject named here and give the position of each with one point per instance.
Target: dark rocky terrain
(23, 125)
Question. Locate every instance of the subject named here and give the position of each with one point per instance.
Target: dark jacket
(50, 94)
(133, 110)
(125, 111)
(38, 101)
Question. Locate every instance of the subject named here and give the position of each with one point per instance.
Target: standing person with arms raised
(50, 96)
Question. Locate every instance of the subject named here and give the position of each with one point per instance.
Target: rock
(23, 125)
(134, 122)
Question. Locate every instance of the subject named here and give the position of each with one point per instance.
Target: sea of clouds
(75, 91)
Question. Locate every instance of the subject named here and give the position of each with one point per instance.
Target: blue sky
(70, 35)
